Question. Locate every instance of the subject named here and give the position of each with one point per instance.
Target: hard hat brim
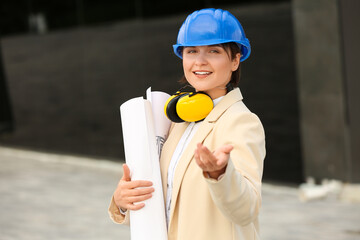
(243, 45)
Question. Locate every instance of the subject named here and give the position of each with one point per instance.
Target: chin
(199, 87)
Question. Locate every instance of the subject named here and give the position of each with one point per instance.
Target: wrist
(216, 174)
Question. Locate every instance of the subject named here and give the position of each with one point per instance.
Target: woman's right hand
(128, 193)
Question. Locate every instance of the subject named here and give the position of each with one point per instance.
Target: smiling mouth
(202, 73)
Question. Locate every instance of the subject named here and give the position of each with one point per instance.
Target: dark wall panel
(350, 20)
(6, 119)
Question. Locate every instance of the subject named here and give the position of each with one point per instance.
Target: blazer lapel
(228, 100)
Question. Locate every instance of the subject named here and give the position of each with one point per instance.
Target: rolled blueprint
(142, 157)
(161, 122)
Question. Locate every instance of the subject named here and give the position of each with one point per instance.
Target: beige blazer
(206, 209)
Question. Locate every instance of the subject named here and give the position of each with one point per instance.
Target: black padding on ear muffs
(171, 109)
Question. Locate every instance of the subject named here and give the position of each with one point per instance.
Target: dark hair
(232, 49)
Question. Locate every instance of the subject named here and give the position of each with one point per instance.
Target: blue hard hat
(209, 27)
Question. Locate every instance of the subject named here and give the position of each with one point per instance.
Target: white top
(181, 146)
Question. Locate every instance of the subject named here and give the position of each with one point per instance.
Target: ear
(236, 62)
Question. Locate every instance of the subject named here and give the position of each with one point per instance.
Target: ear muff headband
(189, 107)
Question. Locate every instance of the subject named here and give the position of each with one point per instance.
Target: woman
(211, 169)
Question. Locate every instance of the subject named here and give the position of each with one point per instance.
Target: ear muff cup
(189, 107)
(194, 107)
(170, 108)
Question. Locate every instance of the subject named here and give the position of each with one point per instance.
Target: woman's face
(209, 68)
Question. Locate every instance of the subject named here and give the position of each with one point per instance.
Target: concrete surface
(48, 196)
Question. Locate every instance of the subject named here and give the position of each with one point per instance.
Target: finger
(135, 207)
(139, 198)
(138, 192)
(222, 154)
(207, 161)
(138, 184)
(198, 161)
(196, 154)
(222, 162)
(206, 156)
(126, 175)
(227, 148)
(203, 150)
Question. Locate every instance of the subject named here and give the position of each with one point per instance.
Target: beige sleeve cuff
(116, 215)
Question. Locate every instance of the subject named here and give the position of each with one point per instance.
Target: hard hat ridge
(211, 26)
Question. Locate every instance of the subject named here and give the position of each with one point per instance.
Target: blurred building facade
(68, 77)
(327, 34)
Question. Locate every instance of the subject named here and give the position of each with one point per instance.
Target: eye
(190, 51)
(214, 51)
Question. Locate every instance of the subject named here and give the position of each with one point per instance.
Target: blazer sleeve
(237, 193)
(115, 214)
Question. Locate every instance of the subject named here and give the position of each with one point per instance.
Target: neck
(216, 93)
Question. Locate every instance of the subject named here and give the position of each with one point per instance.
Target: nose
(201, 59)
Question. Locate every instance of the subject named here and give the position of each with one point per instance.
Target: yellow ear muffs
(194, 107)
(189, 107)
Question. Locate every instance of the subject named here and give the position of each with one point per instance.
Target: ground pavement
(47, 196)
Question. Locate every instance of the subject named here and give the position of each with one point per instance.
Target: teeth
(202, 73)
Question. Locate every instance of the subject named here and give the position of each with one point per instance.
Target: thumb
(227, 148)
(126, 175)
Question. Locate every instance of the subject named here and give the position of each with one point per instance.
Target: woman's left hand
(214, 163)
